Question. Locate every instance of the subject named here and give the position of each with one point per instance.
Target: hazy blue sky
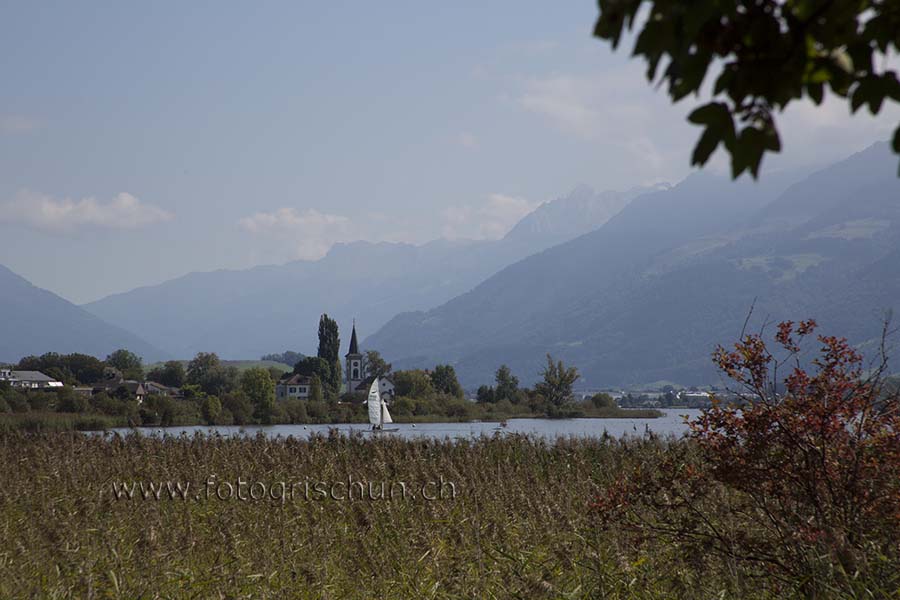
(140, 141)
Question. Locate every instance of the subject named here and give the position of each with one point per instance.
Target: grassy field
(516, 522)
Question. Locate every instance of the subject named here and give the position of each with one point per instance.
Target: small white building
(385, 386)
(295, 386)
(31, 380)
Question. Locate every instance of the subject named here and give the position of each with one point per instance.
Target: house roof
(31, 376)
(354, 346)
(153, 386)
(296, 380)
(365, 383)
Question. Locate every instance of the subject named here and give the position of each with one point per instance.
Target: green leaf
(816, 91)
(706, 145)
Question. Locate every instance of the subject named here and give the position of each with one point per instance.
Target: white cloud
(17, 124)
(44, 212)
(490, 220)
(310, 233)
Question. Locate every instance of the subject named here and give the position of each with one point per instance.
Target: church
(356, 379)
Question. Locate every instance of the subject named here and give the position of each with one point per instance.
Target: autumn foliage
(799, 482)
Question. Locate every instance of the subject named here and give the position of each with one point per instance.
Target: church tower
(354, 363)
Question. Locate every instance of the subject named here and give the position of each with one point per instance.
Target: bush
(68, 401)
(603, 401)
(295, 411)
(210, 408)
(239, 406)
(809, 480)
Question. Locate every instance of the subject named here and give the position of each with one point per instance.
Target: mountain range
(248, 313)
(648, 295)
(632, 287)
(35, 321)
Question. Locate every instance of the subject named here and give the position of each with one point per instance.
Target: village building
(385, 386)
(31, 380)
(294, 387)
(354, 363)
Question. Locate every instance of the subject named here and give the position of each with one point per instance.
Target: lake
(672, 423)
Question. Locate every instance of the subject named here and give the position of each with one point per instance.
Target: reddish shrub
(801, 481)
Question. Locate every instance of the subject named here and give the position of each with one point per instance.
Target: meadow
(521, 521)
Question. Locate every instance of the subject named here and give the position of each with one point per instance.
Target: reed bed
(520, 525)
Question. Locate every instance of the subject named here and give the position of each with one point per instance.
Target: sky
(143, 141)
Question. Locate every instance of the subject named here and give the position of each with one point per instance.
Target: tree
(768, 53)
(330, 350)
(315, 389)
(207, 372)
(172, 374)
(507, 385)
(201, 365)
(128, 363)
(603, 400)
(444, 380)
(374, 365)
(313, 365)
(485, 395)
(260, 390)
(557, 384)
(414, 383)
(210, 409)
(77, 368)
(288, 357)
(239, 406)
(810, 474)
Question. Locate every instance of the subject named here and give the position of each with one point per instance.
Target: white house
(28, 379)
(385, 386)
(295, 386)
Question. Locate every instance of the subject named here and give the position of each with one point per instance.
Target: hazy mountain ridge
(247, 313)
(647, 296)
(35, 321)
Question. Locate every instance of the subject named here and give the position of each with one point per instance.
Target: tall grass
(520, 525)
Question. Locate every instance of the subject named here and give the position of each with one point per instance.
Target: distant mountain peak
(35, 321)
(581, 210)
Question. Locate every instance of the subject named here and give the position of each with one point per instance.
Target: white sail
(385, 413)
(375, 403)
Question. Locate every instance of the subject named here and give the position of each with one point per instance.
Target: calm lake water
(672, 423)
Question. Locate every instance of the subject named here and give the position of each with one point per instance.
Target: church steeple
(354, 346)
(353, 360)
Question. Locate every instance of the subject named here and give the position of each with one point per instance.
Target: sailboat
(378, 410)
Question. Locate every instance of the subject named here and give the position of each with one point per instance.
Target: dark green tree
(767, 53)
(239, 406)
(288, 357)
(129, 363)
(557, 383)
(444, 380)
(603, 400)
(257, 385)
(506, 385)
(375, 365)
(485, 395)
(172, 374)
(82, 368)
(208, 372)
(414, 383)
(313, 365)
(315, 389)
(201, 365)
(330, 350)
(210, 408)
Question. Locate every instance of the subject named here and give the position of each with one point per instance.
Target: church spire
(354, 346)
